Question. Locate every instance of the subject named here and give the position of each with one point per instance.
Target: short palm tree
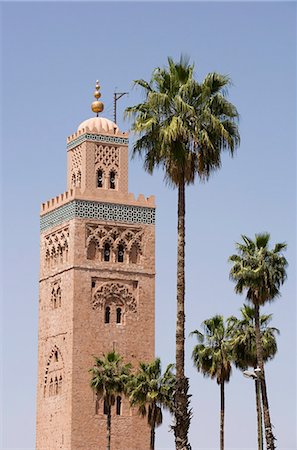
(243, 342)
(212, 357)
(109, 377)
(151, 391)
(260, 272)
(184, 126)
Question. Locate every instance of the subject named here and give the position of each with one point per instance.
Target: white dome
(99, 125)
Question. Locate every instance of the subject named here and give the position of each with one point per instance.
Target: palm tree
(260, 272)
(213, 356)
(109, 378)
(184, 126)
(152, 391)
(243, 342)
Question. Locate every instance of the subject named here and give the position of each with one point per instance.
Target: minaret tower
(97, 277)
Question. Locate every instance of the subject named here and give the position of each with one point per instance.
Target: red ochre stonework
(90, 261)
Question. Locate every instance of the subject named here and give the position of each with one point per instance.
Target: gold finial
(97, 107)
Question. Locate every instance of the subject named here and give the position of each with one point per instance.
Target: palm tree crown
(212, 356)
(151, 391)
(257, 269)
(243, 338)
(184, 125)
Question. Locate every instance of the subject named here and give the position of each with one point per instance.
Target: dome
(99, 125)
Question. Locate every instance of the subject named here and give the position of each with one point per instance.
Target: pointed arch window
(119, 315)
(99, 178)
(106, 255)
(121, 253)
(107, 314)
(119, 406)
(112, 180)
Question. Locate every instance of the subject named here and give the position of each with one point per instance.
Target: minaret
(97, 277)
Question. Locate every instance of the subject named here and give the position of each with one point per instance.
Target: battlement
(76, 194)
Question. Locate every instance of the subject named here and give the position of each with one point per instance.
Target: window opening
(121, 253)
(56, 356)
(105, 407)
(99, 179)
(119, 315)
(112, 180)
(106, 252)
(118, 406)
(91, 253)
(107, 314)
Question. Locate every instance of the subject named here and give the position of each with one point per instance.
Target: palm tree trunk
(108, 427)
(152, 442)
(181, 410)
(222, 416)
(267, 422)
(259, 414)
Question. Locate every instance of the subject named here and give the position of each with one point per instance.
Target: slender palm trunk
(259, 414)
(108, 427)
(267, 422)
(182, 413)
(152, 441)
(222, 416)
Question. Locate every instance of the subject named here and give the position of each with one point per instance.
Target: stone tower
(97, 276)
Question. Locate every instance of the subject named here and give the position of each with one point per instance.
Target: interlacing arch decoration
(107, 156)
(130, 239)
(54, 373)
(76, 164)
(114, 293)
(56, 247)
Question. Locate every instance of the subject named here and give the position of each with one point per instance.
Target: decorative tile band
(96, 138)
(95, 210)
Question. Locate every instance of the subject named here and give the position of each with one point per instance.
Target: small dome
(100, 125)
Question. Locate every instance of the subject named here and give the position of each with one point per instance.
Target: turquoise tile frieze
(96, 210)
(96, 138)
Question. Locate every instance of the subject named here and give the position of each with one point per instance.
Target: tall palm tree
(183, 127)
(259, 272)
(151, 391)
(213, 356)
(243, 342)
(109, 377)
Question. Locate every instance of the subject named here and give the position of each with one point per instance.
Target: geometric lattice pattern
(107, 156)
(97, 210)
(96, 138)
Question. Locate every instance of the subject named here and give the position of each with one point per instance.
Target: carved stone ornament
(114, 293)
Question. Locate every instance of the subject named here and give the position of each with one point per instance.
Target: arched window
(91, 253)
(106, 255)
(56, 386)
(105, 407)
(107, 314)
(118, 406)
(119, 315)
(112, 180)
(56, 355)
(134, 254)
(121, 252)
(51, 385)
(73, 180)
(60, 384)
(58, 299)
(99, 178)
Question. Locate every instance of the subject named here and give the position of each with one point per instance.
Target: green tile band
(96, 138)
(96, 210)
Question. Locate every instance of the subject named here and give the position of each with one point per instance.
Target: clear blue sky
(52, 54)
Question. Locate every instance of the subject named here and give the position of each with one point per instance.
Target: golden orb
(97, 107)
(97, 94)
